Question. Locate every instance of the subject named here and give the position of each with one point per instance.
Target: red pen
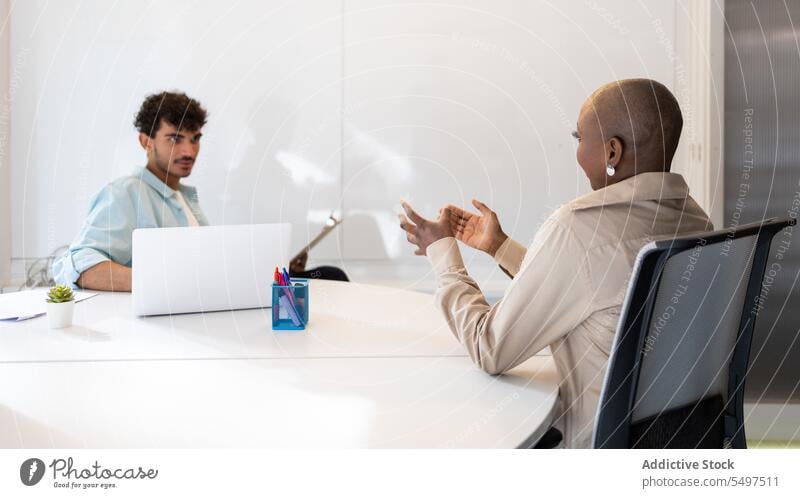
(277, 277)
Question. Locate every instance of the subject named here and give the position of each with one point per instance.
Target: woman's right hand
(479, 231)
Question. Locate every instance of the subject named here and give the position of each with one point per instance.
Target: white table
(347, 320)
(376, 368)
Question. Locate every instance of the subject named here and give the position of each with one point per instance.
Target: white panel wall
(267, 71)
(446, 102)
(433, 102)
(5, 174)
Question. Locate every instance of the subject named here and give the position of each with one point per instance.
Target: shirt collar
(162, 188)
(641, 187)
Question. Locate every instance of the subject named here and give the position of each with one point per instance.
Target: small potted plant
(60, 304)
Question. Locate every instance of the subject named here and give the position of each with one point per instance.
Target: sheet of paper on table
(27, 304)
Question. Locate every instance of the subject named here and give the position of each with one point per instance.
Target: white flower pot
(60, 314)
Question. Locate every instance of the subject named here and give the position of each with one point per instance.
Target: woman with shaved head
(569, 284)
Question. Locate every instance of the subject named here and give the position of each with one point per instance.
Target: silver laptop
(193, 269)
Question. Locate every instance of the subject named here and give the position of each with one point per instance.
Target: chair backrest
(675, 378)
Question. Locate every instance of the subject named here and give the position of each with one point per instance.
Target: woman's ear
(614, 150)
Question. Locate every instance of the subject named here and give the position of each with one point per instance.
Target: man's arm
(106, 276)
(105, 237)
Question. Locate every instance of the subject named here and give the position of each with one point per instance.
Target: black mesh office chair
(676, 374)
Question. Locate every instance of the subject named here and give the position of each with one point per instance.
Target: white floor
(772, 422)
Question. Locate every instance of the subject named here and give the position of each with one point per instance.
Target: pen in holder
(290, 305)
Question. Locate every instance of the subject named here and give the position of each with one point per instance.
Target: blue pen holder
(290, 305)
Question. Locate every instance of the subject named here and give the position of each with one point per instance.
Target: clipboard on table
(331, 223)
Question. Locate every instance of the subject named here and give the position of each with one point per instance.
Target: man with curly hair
(100, 257)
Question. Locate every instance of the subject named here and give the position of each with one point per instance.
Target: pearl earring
(610, 170)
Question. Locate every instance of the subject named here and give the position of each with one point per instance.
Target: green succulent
(60, 294)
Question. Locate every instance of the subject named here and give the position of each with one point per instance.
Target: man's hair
(175, 108)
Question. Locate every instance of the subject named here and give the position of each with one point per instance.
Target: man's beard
(163, 165)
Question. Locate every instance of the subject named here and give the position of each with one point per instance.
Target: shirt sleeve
(548, 297)
(105, 236)
(510, 255)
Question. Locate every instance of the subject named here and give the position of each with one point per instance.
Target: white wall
(700, 86)
(268, 72)
(5, 174)
(446, 102)
(433, 102)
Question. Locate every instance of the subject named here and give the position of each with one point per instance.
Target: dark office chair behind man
(676, 374)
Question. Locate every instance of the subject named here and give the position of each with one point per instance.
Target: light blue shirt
(137, 201)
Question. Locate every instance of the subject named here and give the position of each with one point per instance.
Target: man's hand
(298, 264)
(480, 232)
(422, 232)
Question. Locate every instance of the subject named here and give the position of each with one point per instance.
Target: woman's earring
(610, 170)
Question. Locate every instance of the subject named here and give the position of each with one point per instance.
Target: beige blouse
(567, 289)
